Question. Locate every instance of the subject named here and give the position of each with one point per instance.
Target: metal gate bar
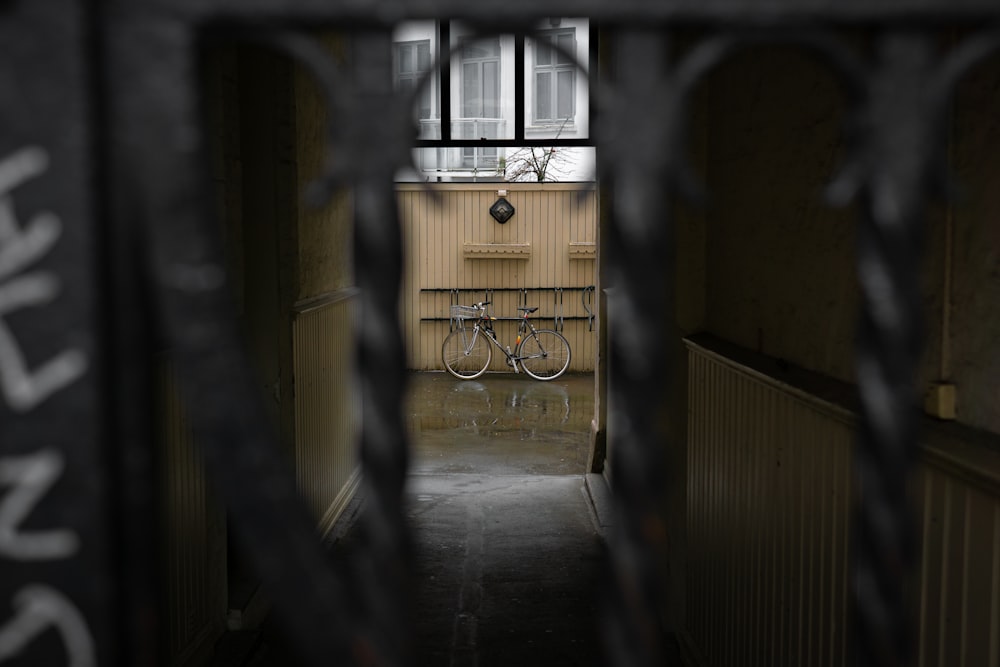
(59, 524)
(635, 154)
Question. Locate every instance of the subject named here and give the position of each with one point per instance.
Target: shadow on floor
(508, 554)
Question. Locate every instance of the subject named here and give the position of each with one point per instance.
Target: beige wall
(267, 235)
(768, 510)
(781, 276)
(290, 270)
(193, 532)
(973, 346)
(193, 522)
(327, 406)
(451, 242)
(321, 315)
(324, 233)
(771, 474)
(298, 278)
(780, 281)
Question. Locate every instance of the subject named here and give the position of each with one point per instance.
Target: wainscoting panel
(194, 534)
(769, 499)
(327, 404)
(959, 591)
(768, 510)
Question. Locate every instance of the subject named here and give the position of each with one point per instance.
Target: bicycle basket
(464, 312)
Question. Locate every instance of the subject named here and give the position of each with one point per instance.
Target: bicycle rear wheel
(466, 354)
(544, 354)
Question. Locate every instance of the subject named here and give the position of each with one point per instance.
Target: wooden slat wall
(769, 492)
(327, 407)
(960, 564)
(768, 507)
(438, 220)
(194, 536)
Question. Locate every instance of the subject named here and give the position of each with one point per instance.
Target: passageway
(509, 554)
(797, 403)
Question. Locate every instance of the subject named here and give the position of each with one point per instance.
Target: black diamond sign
(502, 210)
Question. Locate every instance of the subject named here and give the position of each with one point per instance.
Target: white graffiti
(38, 608)
(30, 477)
(21, 247)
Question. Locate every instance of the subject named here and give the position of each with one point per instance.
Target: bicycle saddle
(528, 310)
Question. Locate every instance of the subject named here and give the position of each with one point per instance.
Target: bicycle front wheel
(544, 354)
(466, 354)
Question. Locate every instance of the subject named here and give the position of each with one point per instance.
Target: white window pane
(491, 89)
(472, 91)
(406, 59)
(565, 94)
(489, 48)
(567, 43)
(424, 102)
(543, 95)
(543, 52)
(424, 56)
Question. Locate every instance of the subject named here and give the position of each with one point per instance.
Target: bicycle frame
(465, 357)
(524, 327)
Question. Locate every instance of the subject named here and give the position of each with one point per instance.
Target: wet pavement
(508, 555)
(499, 424)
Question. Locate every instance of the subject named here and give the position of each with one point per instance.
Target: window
(480, 102)
(496, 96)
(413, 60)
(481, 79)
(555, 77)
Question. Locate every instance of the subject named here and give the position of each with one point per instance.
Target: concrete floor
(499, 424)
(508, 554)
(508, 551)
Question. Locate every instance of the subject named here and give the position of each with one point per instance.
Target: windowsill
(554, 129)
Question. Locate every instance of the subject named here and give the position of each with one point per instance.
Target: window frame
(553, 68)
(474, 156)
(520, 125)
(417, 74)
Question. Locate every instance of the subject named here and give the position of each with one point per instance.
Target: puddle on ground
(500, 423)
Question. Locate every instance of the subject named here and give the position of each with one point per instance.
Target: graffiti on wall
(27, 478)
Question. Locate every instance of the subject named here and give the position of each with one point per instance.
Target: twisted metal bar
(370, 132)
(636, 135)
(152, 80)
(383, 568)
(632, 12)
(902, 131)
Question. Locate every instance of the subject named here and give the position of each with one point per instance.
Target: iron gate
(105, 251)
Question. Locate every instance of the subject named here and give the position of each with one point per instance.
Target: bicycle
(543, 354)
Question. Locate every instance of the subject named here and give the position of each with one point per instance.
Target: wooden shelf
(582, 250)
(497, 250)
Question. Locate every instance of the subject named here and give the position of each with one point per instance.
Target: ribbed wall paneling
(437, 225)
(327, 405)
(767, 529)
(769, 493)
(194, 536)
(959, 591)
